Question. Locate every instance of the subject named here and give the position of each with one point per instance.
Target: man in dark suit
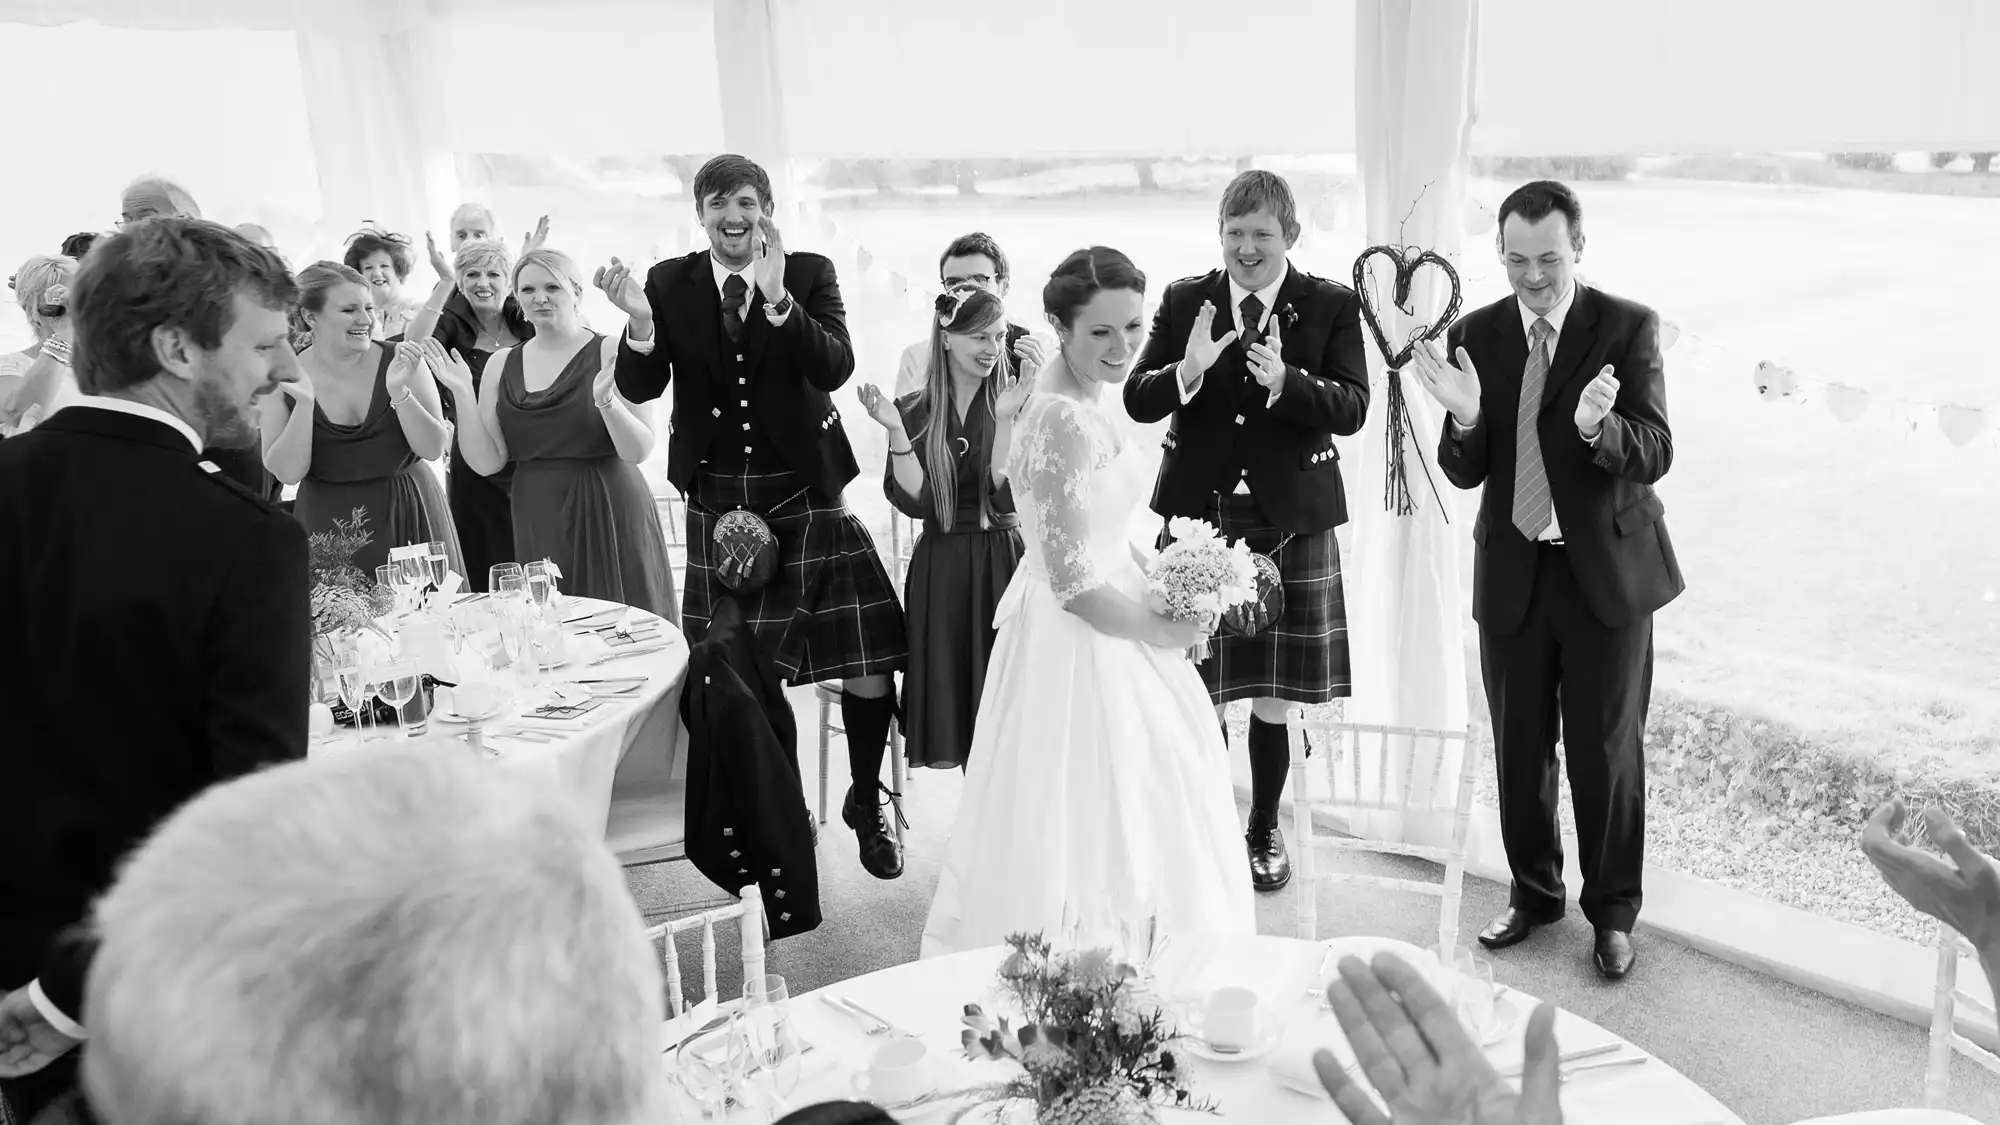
(755, 338)
(157, 611)
(1559, 407)
(1257, 395)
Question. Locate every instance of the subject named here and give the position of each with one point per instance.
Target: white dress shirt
(137, 409)
(722, 275)
(1555, 317)
(1268, 296)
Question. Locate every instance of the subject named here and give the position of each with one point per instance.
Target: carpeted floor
(1772, 1052)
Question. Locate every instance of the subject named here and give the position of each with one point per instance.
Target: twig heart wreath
(1408, 260)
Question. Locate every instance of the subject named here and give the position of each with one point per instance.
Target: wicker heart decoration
(1406, 271)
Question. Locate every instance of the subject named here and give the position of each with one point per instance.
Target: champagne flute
(438, 561)
(371, 690)
(541, 584)
(352, 682)
(399, 686)
(772, 1047)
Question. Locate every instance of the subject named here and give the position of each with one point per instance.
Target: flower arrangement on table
(1093, 1053)
(1199, 577)
(343, 598)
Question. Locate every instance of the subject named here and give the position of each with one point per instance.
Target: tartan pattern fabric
(1302, 657)
(1532, 507)
(830, 612)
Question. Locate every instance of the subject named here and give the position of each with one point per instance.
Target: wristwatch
(783, 306)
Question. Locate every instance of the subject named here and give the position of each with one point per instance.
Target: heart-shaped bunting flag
(1407, 265)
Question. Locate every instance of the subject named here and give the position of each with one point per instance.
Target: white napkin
(1291, 1063)
(686, 1024)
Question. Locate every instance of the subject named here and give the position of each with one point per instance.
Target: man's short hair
(729, 173)
(398, 938)
(182, 199)
(164, 273)
(1256, 190)
(1538, 200)
(978, 242)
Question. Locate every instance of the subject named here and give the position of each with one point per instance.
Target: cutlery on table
(1570, 1072)
(634, 681)
(1566, 1058)
(878, 1019)
(623, 653)
(594, 616)
(869, 1024)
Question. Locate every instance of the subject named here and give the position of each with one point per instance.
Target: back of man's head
(150, 196)
(404, 938)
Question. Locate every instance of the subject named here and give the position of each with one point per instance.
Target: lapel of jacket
(706, 303)
(1579, 333)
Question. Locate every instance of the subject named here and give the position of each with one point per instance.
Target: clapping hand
(1267, 360)
(771, 262)
(1454, 386)
(604, 388)
(625, 290)
(27, 1041)
(1031, 355)
(1417, 1055)
(536, 237)
(439, 263)
(450, 370)
(409, 354)
(1963, 893)
(1202, 351)
(1596, 401)
(879, 406)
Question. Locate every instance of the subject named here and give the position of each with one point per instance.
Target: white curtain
(375, 109)
(1406, 615)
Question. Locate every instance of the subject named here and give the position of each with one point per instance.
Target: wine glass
(1469, 988)
(498, 571)
(706, 1066)
(771, 1046)
(352, 682)
(399, 686)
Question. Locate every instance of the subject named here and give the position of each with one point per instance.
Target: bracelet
(902, 452)
(433, 312)
(57, 349)
(407, 396)
(606, 404)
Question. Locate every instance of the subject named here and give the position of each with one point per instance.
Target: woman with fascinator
(383, 259)
(947, 445)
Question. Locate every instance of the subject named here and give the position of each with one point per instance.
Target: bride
(1098, 799)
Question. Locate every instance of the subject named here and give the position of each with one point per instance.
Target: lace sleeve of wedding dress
(1056, 459)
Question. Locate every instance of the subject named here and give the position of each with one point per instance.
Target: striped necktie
(1532, 511)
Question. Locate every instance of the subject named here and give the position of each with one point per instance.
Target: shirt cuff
(1592, 439)
(1186, 391)
(643, 347)
(53, 1014)
(1457, 431)
(1273, 400)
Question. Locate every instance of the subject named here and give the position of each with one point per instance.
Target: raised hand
(770, 261)
(1963, 893)
(625, 290)
(450, 370)
(1416, 1054)
(1267, 360)
(439, 263)
(409, 355)
(1202, 351)
(1031, 355)
(1454, 386)
(299, 390)
(879, 406)
(1597, 399)
(536, 237)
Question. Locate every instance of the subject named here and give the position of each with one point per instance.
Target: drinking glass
(371, 690)
(706, 1066)
(1469, 988)
(498, 571)
(438, 562)
(541, 584)
(399, 686)
(771, 1045)
(352, 682)
(511, 587)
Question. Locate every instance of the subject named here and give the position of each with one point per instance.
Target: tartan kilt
(830, 612)
(1302, 656)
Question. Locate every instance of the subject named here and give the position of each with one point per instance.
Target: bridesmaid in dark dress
(947, 451)
(471, 312)
(551, 408)
(356, 431)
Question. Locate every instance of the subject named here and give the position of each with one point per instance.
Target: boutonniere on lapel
(1407, 260)
(1288, 317)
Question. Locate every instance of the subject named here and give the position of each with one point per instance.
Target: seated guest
(354, 433)
(383, 260)
(157, 614)
(415, 939)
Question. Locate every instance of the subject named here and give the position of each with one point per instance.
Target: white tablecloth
(584, 755)
(926, 997)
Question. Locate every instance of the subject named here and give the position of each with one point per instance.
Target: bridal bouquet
(1199, 577)
(1093, 1055)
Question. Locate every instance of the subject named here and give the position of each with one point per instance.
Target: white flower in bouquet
(1199, 576)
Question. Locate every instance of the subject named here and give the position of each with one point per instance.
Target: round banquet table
(579, 756)
(924, 998)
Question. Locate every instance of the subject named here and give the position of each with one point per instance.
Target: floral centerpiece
(1199, 577)
(343, 599)
(1092, 1052)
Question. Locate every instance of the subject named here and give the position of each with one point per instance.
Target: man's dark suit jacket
(1226, 429)
(746, 805)
(794, 368)
(157, 642)
(1611, 519)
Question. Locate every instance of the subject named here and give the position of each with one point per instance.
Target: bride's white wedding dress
(1098, 795)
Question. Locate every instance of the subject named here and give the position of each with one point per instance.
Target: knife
(893, 1029)
(1566, 1058)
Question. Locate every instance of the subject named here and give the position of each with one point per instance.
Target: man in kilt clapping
(757, 338)
(1260, 366)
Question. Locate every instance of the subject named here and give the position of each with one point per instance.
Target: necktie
(733, 289)
(1253, 315)
(1532, 511)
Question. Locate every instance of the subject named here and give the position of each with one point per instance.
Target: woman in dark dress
(471, 313)
(356, 431)
(551, 408)
(947, 450)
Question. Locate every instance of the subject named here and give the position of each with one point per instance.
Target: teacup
(896, 1074)
(1227, 1020)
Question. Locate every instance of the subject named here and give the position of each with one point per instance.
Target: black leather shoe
(1614, 954)
(1270, 866)
(1512, 927)
(881, 855)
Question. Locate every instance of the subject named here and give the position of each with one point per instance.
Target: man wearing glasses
(971, 260)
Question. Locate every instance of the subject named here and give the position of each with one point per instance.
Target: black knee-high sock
(1270, 765)
(867, 724)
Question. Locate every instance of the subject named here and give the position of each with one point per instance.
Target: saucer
(1270, 1033)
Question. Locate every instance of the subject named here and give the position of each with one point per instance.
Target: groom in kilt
(758, 339)
(1260, 366)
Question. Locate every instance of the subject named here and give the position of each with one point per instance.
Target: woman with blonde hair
(41, 288)
(947, 446)
(551, 408)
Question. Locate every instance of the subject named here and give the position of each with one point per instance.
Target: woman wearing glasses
(947, 443)
(352, 433)
(383, 260)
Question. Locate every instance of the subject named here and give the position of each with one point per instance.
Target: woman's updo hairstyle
(1082, 276)
(315, 282)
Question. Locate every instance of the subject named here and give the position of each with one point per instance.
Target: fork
(868, 1023)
